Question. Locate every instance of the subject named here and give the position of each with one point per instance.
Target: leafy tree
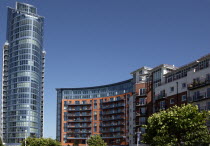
(176, 126)
(76, 143)
(96, 140)
(1, 144)
(41, 142)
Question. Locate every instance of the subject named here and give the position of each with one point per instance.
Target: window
(142, 91)
(172, 101)
(183, 85)
(162, 104)
(184, 98)
(172, 89)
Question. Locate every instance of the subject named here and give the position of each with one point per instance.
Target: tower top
(23, 7)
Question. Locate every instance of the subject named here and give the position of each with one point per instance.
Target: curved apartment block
(103, 110)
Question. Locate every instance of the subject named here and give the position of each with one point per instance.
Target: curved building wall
(103, 110)
(23, 99)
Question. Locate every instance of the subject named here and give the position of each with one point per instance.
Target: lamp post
(86, 141)
(25, 136)
(138, 134)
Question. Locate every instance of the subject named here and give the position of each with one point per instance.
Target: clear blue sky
(96, 42)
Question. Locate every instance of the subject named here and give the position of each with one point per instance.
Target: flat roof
(95, 87)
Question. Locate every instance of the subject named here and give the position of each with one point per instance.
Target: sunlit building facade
(103, 110)
(22, 75)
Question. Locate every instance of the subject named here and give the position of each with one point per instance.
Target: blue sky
(97, 42)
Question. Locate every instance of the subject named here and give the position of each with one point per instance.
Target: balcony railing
(200, 83)
(112, 131)
(75, 121)
(113, 106)
(202, 96)
(113, 125)
(113, 119)
(104, 102)
(78, 104)
(76, 110)
(141, 104)
(160, 96)
(79, 115)
(113, 112)
(70, 126)
(141, 114)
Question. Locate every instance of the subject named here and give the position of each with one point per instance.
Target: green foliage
(1, 144)
(41, 142)
(177, 126)
(96, 140)
(76, 143)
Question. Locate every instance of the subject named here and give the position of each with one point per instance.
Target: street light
(86, 140)
(138, 134)
(25, 136)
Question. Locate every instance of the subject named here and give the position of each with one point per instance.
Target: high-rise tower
(22, 75)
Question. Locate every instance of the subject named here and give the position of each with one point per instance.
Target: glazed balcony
(80, 115)
(139, 124)
(113, 112)
(198, 84)
(112, 125)
(113, 119)
(78, 110)
(78, 132)
(113, 131)
(78, 121)
(78, 127)
(141, 95)
(108, 102)
(201, 96)
(139, 114)
(113, 106)
(160, 96)
(138, 104)
(79, 104)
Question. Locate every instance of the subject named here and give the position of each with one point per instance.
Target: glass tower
(22, 75)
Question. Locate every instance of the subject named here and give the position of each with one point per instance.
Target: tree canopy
(177, 126)
(41, 142)
(1, 144)
(96, 140)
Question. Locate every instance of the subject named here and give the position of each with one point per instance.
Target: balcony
(160, 96)
(78, 104)
(113, 112)
(112, 131)
(139, 124)
(141, 104)
(118, 100)
(113, 119)
(201, 96)
(78, 121)
(113, 106)
(70, 126)
(141, 95)
(77, 110)
(198, 84)
(79, 115)
(112, 125)
(78, 132)
(138, 114)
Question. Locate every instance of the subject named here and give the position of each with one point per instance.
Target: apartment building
(103, 110)
(118, 111)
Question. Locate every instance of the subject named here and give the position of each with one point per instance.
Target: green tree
(76, 142)
(41, 142)
(1, 144)
(96, 140)
(177, 126)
